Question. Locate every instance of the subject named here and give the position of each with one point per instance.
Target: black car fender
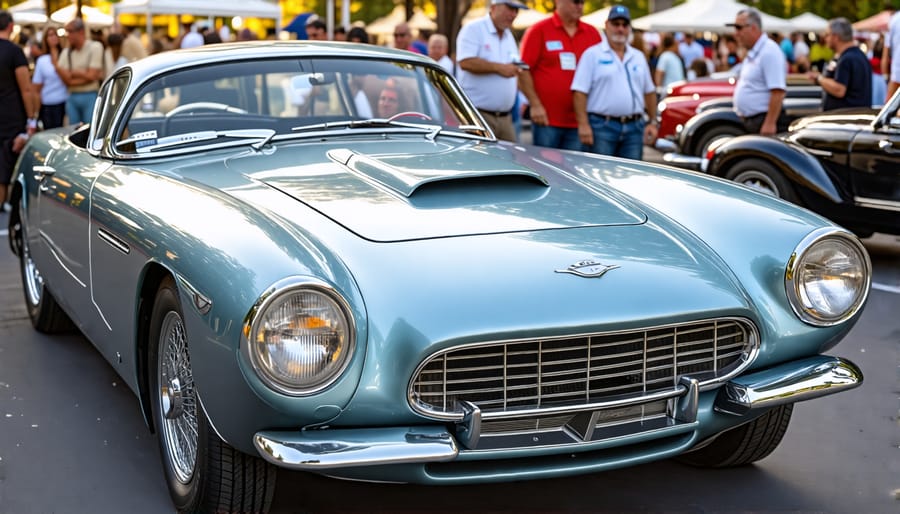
(798, 166)
(697, 127)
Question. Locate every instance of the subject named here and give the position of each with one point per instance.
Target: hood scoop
(424, 190)
(409, 179)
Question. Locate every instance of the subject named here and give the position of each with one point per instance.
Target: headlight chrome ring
(299, 336)
(828, 277)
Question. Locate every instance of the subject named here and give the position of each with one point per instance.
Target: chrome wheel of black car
(716, 134)
(745, 444)
(46, 315)
(204, 474)
(763, 177)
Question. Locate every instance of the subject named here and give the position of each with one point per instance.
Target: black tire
(204, 474)
(764, 177)
(745, 444)
(46, 315)
(714, 134)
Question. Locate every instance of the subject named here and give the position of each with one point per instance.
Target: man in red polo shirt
(551, 49)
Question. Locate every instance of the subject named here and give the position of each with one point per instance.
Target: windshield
(217, 103)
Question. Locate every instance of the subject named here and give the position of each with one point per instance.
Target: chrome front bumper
(791, 382)
(320, 450)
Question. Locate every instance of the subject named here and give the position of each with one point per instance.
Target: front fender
(798, 165)
(699, 124)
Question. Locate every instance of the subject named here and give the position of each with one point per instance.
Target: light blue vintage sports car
(317, 257)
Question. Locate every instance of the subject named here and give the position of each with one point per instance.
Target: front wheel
(46, 315)
(763, 177)
(745, 444)
(204, 474)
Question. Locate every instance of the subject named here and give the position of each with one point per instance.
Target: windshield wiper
(431, 129)
(148, 142)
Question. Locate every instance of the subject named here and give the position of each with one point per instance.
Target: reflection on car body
(286, 282)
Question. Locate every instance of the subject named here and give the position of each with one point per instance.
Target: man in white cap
(489, 65)
(613, 93)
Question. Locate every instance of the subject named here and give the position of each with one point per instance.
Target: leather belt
(498, 114)
(620, 119)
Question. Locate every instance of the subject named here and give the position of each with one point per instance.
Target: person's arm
(651, 130)
(770, 124)
(831, 86)
(31, 106)
(536, 108)
(579, 102)
(481, 66)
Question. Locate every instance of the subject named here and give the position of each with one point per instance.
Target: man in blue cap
(613, 93)
(489, 66)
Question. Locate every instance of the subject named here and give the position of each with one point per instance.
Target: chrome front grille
(582, 370)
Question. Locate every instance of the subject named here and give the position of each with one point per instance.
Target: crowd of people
(584, 88)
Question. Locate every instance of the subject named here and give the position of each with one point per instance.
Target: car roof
(266, 49)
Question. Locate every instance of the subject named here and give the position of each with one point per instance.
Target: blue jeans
(556, 137)
(616, 138)
(80, 107)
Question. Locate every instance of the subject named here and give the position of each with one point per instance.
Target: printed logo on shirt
(554, 46)
(605, 60)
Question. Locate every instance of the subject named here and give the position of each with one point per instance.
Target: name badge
(567, 60)
(554, 46)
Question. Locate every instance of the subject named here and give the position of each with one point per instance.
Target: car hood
(417, 189)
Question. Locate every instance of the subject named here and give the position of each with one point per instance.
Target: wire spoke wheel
(177, 398)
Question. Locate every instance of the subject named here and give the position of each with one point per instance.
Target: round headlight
(300, 339)
(828, 277)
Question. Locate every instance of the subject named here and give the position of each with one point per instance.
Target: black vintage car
(843, 164)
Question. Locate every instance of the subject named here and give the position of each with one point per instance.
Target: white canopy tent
(384, 26)
(29, 12)
(809, 22)
(597, 18)
(94, 18)
(703, 16)
(218, 8)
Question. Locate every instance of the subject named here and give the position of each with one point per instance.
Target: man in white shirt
(690, 50)
(759, 93)
(438, 46)
(613, 92)
(489, 65)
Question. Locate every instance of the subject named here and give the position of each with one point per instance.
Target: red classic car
(682, 99)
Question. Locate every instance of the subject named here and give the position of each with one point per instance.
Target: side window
(109, 100)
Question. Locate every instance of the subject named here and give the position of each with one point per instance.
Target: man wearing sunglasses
(759, 93)
(613, 93)
(551, 48)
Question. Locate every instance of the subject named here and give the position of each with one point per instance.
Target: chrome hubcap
(177, 398)
(172, 401)
(758, 181)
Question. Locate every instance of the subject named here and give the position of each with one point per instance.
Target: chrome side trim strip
(313, 450)
(874, 203)
(111, 239)
(791, 382)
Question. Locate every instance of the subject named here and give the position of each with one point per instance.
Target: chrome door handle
(42, 172)
(887, 146)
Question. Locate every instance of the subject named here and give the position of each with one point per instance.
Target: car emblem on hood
(588, 269)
